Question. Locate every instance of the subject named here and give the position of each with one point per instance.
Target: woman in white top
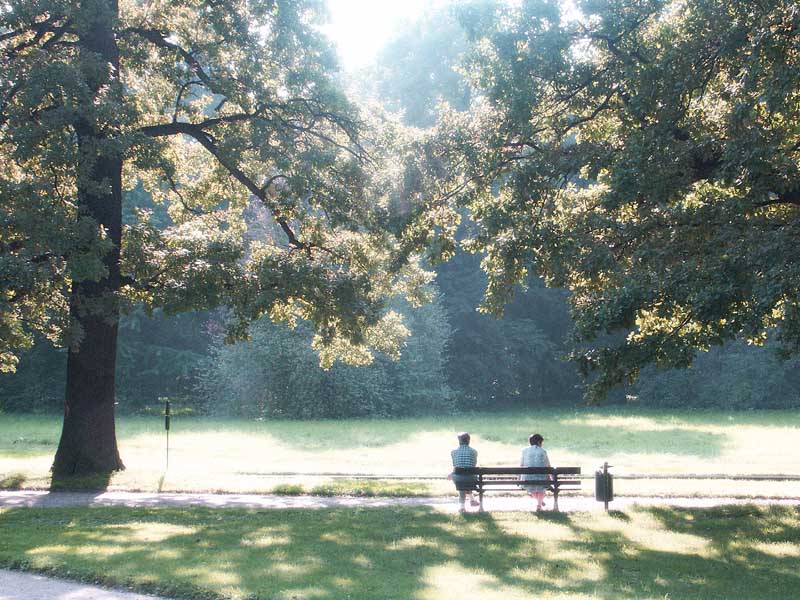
(535, 456)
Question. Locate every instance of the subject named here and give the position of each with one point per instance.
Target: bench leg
(555, 500)
(480, 498)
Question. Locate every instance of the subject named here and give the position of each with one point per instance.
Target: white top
(535, 456)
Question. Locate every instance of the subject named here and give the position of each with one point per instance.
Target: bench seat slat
(561, 483)
(516, 482)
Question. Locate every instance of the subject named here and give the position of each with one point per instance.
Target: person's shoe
(474, 502)
(462, 510)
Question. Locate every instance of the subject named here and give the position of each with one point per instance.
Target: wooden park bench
(507, 479)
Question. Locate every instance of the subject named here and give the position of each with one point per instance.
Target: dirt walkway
(25, 586)
(447, 504)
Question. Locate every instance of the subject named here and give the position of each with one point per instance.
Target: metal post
(555, 492)
(605, 482)
(166, 426)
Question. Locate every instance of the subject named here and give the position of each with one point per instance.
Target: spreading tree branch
(207, 141)
(160, 39)
(39, 31)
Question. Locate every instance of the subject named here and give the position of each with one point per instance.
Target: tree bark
(88, 444)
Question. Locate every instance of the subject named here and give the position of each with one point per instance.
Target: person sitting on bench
(535, 456)
(464, 456)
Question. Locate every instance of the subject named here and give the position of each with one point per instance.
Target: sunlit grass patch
(289, 489)
(449, 580)
(777, 549)
(228, 455)
(639, 535)
(267, 537)
(370, 488)
(147, 532)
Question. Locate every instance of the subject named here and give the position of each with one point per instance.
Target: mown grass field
(415, 553)
(244, 456)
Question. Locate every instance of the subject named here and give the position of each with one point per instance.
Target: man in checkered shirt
(464, 456)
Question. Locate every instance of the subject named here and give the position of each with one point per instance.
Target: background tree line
(482, 365)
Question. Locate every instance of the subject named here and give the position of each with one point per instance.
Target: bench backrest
(517, 471)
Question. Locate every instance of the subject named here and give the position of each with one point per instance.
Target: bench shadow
(413, 552)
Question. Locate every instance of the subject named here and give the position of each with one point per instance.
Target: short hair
(535, 439)
(463, 438)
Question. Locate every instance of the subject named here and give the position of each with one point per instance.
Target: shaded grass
(81, 483)
(13, 481)
(731, 552)
(240, 456)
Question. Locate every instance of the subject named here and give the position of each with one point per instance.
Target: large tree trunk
(88, 439)
(88, 443)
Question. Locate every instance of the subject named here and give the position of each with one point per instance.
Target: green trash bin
(603, 485)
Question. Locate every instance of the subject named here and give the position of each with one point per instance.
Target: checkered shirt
(464, 456)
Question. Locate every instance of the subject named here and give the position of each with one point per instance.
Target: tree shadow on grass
(724, 553)
(411, 552)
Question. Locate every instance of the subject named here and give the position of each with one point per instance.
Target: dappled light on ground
(725, 553)
(448, 581)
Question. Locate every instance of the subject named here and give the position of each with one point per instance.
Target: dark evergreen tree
(276, 374)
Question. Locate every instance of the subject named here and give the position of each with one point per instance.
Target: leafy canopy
(215, 107)
(644, 155)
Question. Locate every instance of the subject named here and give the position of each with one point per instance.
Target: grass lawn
(243, 456)
(415, 553)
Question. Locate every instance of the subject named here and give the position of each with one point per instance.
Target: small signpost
(166, 426)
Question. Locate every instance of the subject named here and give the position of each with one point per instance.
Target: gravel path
(447, 504)
(25, 586)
